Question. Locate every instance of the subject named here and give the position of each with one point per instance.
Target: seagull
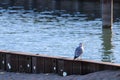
(78, 51)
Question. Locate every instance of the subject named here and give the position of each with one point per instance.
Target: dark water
(90, 7)
(58, 32)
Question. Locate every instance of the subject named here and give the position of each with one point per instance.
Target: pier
(36, 63)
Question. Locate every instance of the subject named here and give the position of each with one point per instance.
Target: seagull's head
(81, 44)
(82, 47)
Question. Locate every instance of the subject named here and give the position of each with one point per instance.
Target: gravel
(101, 75)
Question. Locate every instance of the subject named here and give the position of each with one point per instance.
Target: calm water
(58, 34)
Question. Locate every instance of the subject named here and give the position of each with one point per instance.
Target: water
(58, 34)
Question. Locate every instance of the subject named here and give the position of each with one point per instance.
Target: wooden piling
(107, 13)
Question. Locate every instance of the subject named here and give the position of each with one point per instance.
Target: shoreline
(101, 75)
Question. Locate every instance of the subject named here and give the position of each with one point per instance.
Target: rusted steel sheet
(60, 66)
(87, 67)
(38, 65)
(2, 61)
(107, 67)
(29, 63)
(12, 63)
(93, 67)
(64, 67)
(25, 64)
(84, 68)
(68, 65)
(44, 65)
(54, 66)
(50, 65)
(77, 67)
(34, 64)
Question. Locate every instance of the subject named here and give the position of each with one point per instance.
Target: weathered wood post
(107, 13)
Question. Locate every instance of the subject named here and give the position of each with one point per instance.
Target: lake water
(58, 34)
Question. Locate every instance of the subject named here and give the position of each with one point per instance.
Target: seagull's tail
(74, 57)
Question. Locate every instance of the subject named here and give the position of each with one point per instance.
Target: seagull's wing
(78, 52)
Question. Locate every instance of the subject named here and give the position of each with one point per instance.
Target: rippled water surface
(58, 34)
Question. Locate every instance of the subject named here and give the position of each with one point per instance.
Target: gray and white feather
(78, 51)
